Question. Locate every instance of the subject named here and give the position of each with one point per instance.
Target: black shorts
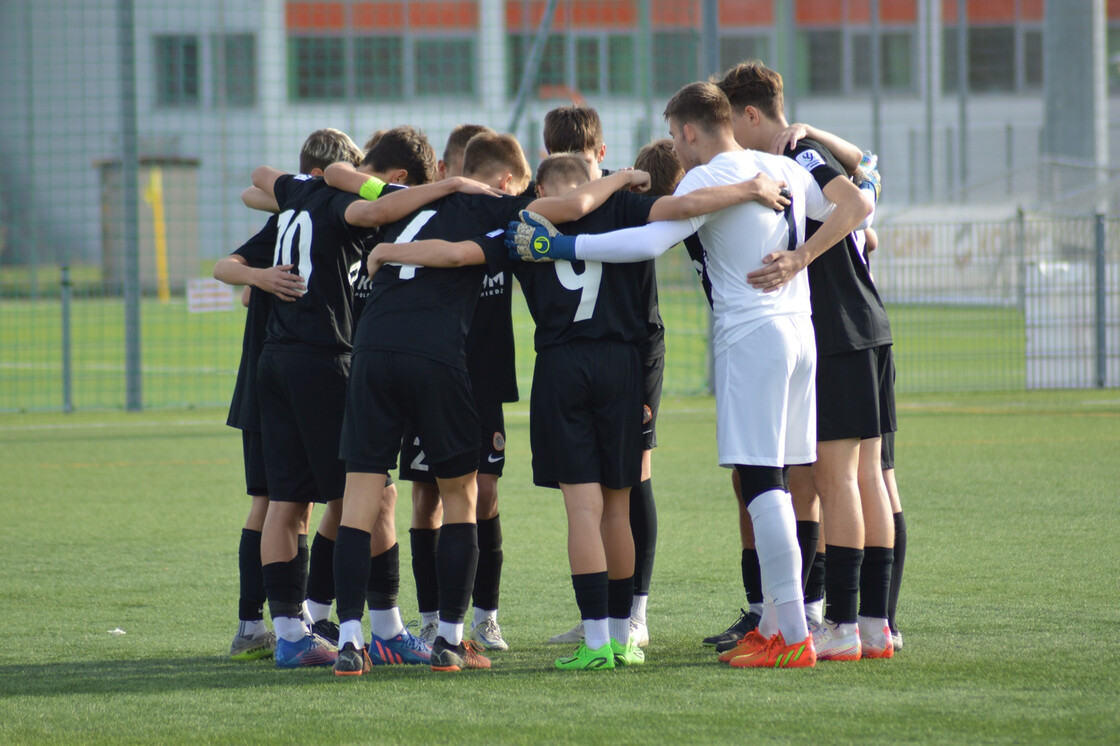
(585, 422)
(855, 394)
(491, 452)
(252, 451)
(886, 452)
(653, 377)
(390, 390)
(303, 395)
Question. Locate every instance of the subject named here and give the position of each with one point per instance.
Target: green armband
(371, 190)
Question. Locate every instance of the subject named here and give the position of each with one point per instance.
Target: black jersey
(245, 408)
(427, 311)
(586, 300)
(312, 233)
(699, 259)
(490, 350)
(848, 313)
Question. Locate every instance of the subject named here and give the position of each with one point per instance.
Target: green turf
(1008, 611)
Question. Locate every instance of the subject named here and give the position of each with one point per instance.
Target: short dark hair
(702, 105)
(566, 167)
(572, 129)
(372, 140)
(458, 139)
(404, 147)
(754, 84)
(661, 163)
(489, 152)
(326, 146)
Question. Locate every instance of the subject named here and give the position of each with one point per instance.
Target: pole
(1100, 290)
(532, 66)
(876, 80)
(67, 344)
(962, 91)
(130, 167)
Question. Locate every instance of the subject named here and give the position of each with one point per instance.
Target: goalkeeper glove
(534, 239)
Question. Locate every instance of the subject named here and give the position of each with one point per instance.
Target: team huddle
(379, 330)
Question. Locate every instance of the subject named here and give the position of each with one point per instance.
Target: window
(588, 78)
(821, 58)
(896, 55)
(1113, 58)
(553, 62)
(991, 59)
(1032, 63)
(736, 49)
(444, 66)
(378, 67)
(622, 76)
(177, 70)
(235, 70)
(316, 68)
(591, 63)
(676, 60)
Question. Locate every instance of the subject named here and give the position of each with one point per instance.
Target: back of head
(661, 163)
(326, 146)
(573, 129)
(754, 84)
(373, 140)
(488, 154)
(457, 142)
(702, 105)
(407, 148)
(563, 169)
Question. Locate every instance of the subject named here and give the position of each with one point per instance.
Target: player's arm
(258, 199)
(852, 207)
(588, 197)
(401, 203)
(432, 252)
(848, 154)
(761, 189)
(278, 280)
(264, 178)
(536, 240)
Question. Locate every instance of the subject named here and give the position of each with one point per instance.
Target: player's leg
(320, 578)
(643, 509)
(423, 534)
(807, 508)
(878, 559)
(899, 549)
(752, 580)
(488, 577)
(619, 547)
(253, 639)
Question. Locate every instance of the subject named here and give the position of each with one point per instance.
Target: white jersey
(737, 238)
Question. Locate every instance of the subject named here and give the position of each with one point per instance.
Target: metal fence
(129, 128)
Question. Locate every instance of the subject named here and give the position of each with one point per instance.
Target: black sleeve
(502, 209)
(497, 255)
(817, 160)
(282, 188)
(633, 209)
(258, 250)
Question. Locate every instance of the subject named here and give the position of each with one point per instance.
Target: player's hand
(534, 239)
(375, 261)
(772, 194)
(639, 180)
(282, 281)
(464, 185)
(779, 268)
(788, 138)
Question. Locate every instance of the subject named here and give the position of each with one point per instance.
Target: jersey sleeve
(632, 209)
(258, 250)
(282, 188)
(693, 180)
(815, 164)
(497, 255)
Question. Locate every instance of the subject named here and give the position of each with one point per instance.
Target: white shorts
(766, 409)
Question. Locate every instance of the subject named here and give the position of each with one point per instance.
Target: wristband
(371, 190)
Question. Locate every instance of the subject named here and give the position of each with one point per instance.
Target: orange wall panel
(315, 16)
(980, 11)
(380, 16)
(890, 11)
(819, 13)
(460, 14)
(746, 12)
(574, 14)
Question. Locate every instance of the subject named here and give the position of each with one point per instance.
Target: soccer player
(591, 321)
(855, 395)
(764, 350)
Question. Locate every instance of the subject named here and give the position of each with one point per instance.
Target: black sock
(250, 604)
(302, 560)
(592, 594)
(841, 582)
(384, 579)
(643, 524)
(351, 572)
(423, 542)
(282, 586)
(456, 563)
(875, 581)
(320, 579)
(752, 576)
(808, 535)
(488, 576)
(620, 597)
(896, 568)
(814, 585)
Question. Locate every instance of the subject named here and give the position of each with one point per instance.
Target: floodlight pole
(130, 213)
(532, 66)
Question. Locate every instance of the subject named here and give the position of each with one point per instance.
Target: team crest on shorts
(499, 442)
(647, 414)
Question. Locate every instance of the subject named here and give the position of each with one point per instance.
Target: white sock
(768, 621)
(754, 609)
(814, 611)
(869, 625)
(386, 623)
(638, 608)
(481, 615)
(775, 538)
(619, 630)
(451, 631)
(290, 628)
(251, 628)
(429, 617)
(351, 631)
(318, 611)
(596, 632)
(305, 614)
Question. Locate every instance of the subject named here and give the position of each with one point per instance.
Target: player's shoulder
(812, 155)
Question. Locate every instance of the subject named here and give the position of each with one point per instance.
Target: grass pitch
(131, 522)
